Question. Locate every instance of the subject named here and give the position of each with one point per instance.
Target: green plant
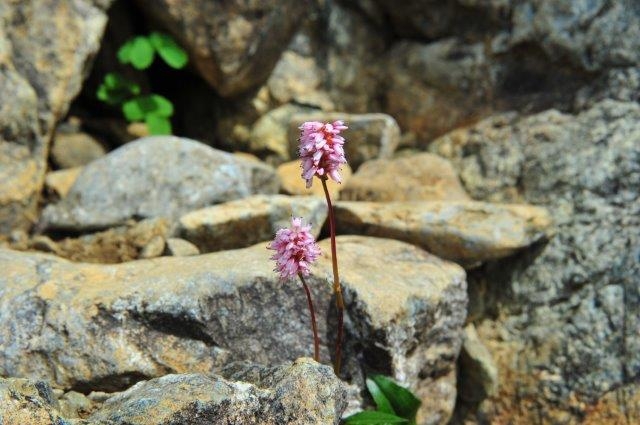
(139, 52)
(395, 404)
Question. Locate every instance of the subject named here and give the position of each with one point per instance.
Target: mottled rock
(75, 405)
(245, 222)
(75, 149)
(478, 375)
(45, 50)
(27, 402)
(180, 248)
(563, 327)
(103, 327)
(234, 45)
(154, 248)
(58, 183)
(419, 177)
(290, 174)
(466, 232)
(300, 393)
(183, 173)
(369, 135)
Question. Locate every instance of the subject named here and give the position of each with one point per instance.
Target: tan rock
(293, 184)
(478, 372)
(59, 182)
(180, 248)
(419, 177)
(23, 402)
(369, 135)
(154, 248)
(103, 327)
(466, 232)
(75, 149)
(248, 221)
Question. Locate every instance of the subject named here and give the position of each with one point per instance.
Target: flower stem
(314, 327)
(337, 288)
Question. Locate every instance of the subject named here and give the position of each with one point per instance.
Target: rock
(59, 183)
(45, 50)
(75, 405)
(76, 149)
(560, 320)
(290, 174)
(44, 244)
(369, 135)
(245, 222)
(300, 393)
(466, 232)
(419, 177)
(180, 248)
(91, 327)
(478, 372)
(28, 402)
(185, 175)
(116, 245)
(233, 45)
(154, 248)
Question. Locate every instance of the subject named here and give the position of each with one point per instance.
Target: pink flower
(296, 249)
(321, 150)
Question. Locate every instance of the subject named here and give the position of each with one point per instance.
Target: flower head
(321, 150)
(296, 249)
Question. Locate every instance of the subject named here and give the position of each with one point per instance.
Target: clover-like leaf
(115, 89)
(139, 54)
(403, 401)
(373, 417)
(157, 124)
(174, 55)
(139, 107)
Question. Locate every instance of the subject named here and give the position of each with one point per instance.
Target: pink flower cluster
(321, 150)
(296, 249)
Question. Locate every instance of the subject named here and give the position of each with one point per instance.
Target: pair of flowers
(322, 155)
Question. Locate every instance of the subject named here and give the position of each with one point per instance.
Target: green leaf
(141, 53)
(372, 417)
(157, 124)
(403, 401)
(138, 108)
(124, 52)
(174, 55)
(381, 400)
(114, 89)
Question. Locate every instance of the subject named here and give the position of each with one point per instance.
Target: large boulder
(103, 327)
(300, 393)
(560, 320)
(46, 48)
(183, 173)
(235, 44)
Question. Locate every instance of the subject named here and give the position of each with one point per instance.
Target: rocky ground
(489, 230)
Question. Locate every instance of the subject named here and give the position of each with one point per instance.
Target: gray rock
(90, 327)
(234, 45)
(245, 222)
(300, 393)
(466, 232)
(180, 248)
(183, 173)
(562, 318)
(369, 135)
(45, 51)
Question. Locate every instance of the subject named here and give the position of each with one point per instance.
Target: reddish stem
(337, 288)
(314, 327)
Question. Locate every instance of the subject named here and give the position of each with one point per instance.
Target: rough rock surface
(45, 49)
(290, 174)
(245, 222)
(185, 175)
(419, 177)
(104, 327)
(369, 135)
(300, 393)
(235, 44)
(466, 232)
(25, 402)
(562, 320)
